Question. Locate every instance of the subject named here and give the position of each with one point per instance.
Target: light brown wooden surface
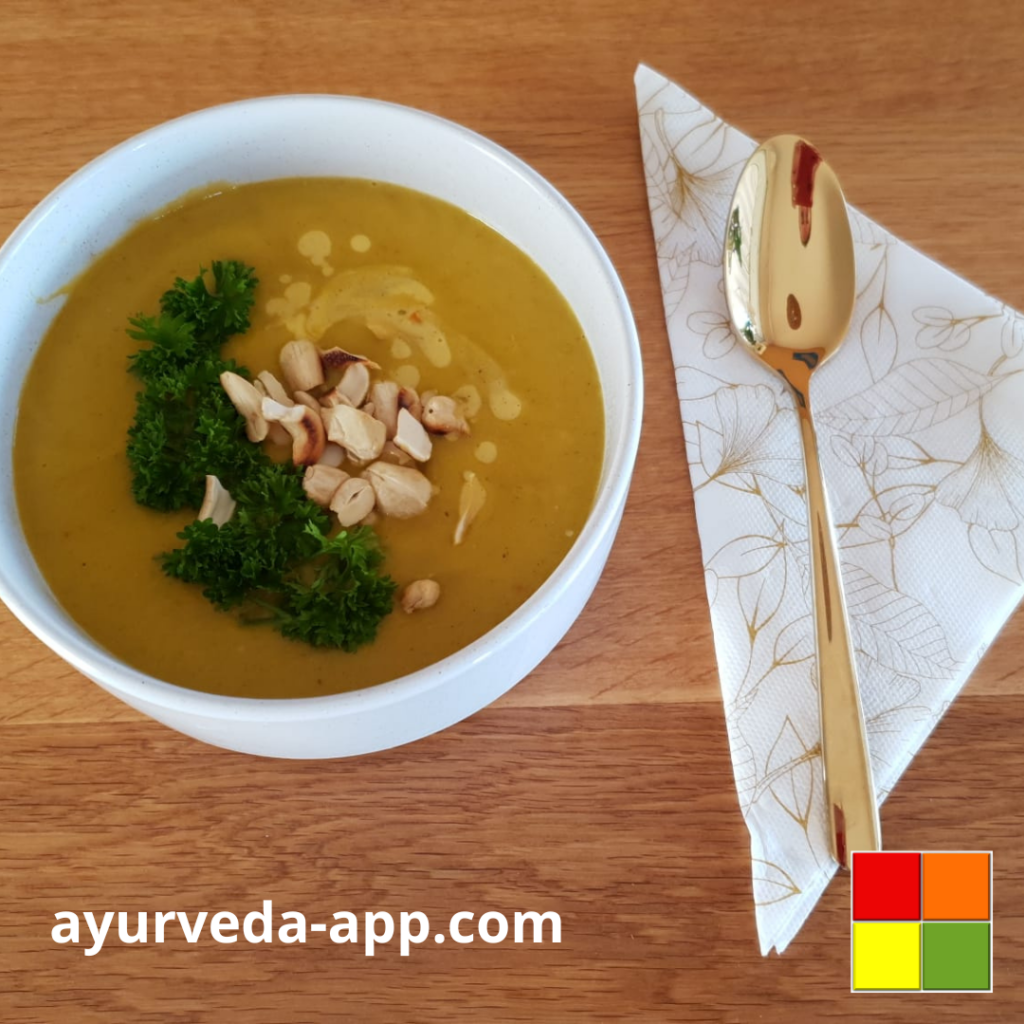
(601, 786)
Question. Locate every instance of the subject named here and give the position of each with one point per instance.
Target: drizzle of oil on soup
(97, 548)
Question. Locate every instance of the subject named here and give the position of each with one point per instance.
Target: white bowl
(284, 136)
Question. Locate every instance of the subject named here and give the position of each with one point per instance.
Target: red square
(886, 886)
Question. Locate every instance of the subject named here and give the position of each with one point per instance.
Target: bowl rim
(85, 654)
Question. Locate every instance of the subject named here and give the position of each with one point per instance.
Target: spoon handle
(849, 786)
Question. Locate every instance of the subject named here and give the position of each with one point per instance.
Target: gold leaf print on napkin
(760, 595)
(905, 706)
(941, 329)
(988, 489)
(794, 642)
(894, 629)
(716, 330)
(772, 884)
(791, 773)
(1012, 334)
(878, 330)
(913, 396)
(998, 551)
(690, 193)
(745, 556)
(741, 441)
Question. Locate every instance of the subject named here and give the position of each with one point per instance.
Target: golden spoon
(789, 283)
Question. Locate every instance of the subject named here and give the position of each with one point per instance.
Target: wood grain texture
(601, 786)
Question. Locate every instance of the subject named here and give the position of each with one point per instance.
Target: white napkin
(922, 443)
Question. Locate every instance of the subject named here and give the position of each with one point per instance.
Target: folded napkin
(922, 445)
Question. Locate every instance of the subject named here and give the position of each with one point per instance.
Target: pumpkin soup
(426, 378)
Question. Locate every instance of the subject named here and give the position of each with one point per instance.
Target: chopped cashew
(393, 453)
(275, 411)
(401, 491)
(411, 437)
(272, 387)
(360, 435)
(306, 428)
(441, 415)
(353, 501)
(384, 396)
(471, 500)
(354, 383)
(249, 403)
(276, 434)
(408, 399)
(420, 594)
(306, 399)
(333, 398)
(334, 455)
(301, 366)
(338, 359)
(321, 483)
(218, 504)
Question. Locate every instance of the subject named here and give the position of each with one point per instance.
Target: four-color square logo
(922, 922)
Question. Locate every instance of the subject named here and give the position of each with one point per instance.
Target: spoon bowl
(789, 268)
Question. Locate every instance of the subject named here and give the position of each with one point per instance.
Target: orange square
(956, 886)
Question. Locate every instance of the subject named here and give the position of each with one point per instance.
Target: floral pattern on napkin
(922, 444)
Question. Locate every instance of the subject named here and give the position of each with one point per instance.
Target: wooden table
(601, 787)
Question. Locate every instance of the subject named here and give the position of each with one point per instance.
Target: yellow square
(886, 955)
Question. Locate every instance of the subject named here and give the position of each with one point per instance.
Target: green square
(957, 955)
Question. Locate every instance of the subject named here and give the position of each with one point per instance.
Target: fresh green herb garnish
(273, 560)
(214, 316)
(338, 599)
(185, 426)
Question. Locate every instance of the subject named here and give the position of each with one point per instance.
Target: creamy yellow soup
(536, 442)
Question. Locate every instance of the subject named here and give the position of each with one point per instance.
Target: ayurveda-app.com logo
(921, 922)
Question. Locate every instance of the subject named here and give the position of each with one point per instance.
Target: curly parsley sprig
(185, 427)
